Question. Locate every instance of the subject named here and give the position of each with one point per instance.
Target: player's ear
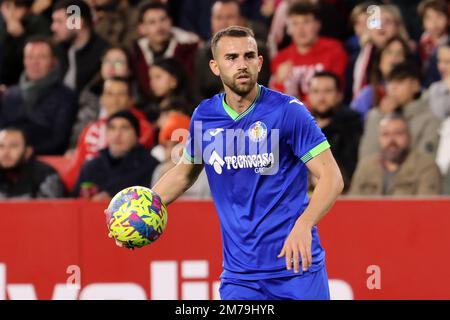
(260, 63)
(214, 67)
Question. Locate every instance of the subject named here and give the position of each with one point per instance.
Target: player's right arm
(177, 180)
(173, 184)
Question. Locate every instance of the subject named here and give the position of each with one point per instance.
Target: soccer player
(257, 146)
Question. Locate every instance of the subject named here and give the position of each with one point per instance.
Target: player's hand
(298, 246)
(118, 243)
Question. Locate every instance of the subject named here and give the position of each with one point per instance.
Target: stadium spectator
(435, 19)
(80, 46)
(115, 98)
(328, 13)
(123, 163)
(397, 169)
(394, 52)
(439, 92)
(168, 82)
(21, 175)
(443, 154)
(195, 16)
(116, 21)
(293, 67)
(18, 23)
(403, 95)
(40, 104)
(389, 25)
(172, 138)
(341, 126)
(358, 18)
(115, 63)
(161, 40)
(224, 13)
(168, 107)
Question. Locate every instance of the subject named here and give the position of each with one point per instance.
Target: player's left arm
(328, 188)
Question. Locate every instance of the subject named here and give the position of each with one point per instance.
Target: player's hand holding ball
(136, 217)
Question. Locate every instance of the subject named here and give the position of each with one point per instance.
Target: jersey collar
(237, 116)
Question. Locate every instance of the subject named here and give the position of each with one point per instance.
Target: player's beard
(241, 89)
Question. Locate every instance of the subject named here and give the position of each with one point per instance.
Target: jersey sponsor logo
(257, 131)
(217, 162)
(260, 162)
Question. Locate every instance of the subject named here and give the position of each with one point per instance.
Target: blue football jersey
(255, 164)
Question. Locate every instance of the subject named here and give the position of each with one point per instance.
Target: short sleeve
(302, 133)
(192, 151)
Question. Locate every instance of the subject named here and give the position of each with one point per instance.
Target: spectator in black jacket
(44, 108)
(122, 164)
(21, 175)
(340, 125)
(81, 48)
(19, 23)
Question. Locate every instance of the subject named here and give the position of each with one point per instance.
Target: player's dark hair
(304, 8)
(151, 5)
(42, 39)
(12, 128)
(85, 10)
(233, 31)
(330, 75)
(402, 71)
(436, 5)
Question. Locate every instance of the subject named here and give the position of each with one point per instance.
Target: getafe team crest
(257, 131)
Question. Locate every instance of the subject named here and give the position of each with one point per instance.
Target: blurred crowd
(93, 91)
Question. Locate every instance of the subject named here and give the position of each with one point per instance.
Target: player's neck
(240, 103)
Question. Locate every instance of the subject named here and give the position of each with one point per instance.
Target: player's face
(323, 94)
(303, 29)
(237, 63)
(224, 15)
(121, 137)
(38, 60)
(12, 149)
(393, 139)
(156, 26)
(115, 96)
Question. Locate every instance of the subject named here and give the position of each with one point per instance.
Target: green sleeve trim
(188, 156)
(314, 152)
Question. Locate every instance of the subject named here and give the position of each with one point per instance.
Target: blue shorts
(309, 286)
